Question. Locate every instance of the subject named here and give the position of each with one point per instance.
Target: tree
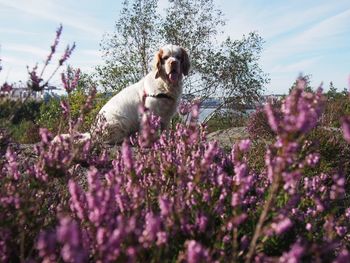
(127, 51)
(228, 69)
(307, 79)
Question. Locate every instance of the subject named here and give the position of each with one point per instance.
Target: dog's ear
(157, 63)
(185, 64)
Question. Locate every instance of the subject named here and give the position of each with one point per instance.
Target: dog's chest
(163, 107)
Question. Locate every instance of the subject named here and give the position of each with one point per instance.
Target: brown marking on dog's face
(158, 63)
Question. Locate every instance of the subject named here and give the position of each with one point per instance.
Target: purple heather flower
(347, 213)
(12, 165)
(184, 107)
(294, 255)
(226, 239)
(346, 128)
(241, 171)
(341, 230)
(46, 246)
(308, 227)
(77, 200)
(300, 110)
(235, 200)
(69, 235)
(195, 111)
(127, 155)
(70, 79)
(196, 252)
(244, 145)
(162, 238)
(313, 159)
(35, 81)
(343, 257)
(202, 222)
(282, 225)
(44, 135)
(271, 117)
(164, 205)
(68, 232)
(6, 87)
(101, 236)
(65, 107)
(209, 154)
(244, 242)
(237, 220)
(66, 54)
(152, 227)
(54, 45)
(5, 250)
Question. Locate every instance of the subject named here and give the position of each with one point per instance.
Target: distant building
(20, 93)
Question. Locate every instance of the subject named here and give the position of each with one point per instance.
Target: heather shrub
(328, 142)
(257, 123)
(336, 108)
(333, 148)
(178, 197)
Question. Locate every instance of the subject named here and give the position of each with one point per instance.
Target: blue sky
(309, 36)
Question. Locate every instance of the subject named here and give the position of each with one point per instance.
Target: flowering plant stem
(269, 202)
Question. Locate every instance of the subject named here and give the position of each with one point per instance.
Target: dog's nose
(173, 62)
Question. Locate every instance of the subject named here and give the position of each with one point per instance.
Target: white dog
(159, 91)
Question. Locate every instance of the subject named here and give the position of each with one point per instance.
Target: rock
(226, 138)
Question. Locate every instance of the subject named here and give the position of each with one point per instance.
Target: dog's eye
(164, 59)
(178, 58)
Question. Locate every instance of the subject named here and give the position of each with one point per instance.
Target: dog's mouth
(173, 76)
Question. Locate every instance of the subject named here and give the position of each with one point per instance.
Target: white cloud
(328, 34)
(300, 65)
(15, 31)
(91, 52)
(333, 26)
(22, 48)
(51, 11)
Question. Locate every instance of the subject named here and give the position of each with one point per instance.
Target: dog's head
(170, 63)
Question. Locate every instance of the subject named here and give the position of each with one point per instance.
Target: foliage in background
(337, 107)
(19, 119)
(51, 114)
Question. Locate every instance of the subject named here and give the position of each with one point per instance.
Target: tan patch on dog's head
(157, 64)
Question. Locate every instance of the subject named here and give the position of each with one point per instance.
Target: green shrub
(25, 132)
(51, 115)
(17, 111)
(19, 119)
